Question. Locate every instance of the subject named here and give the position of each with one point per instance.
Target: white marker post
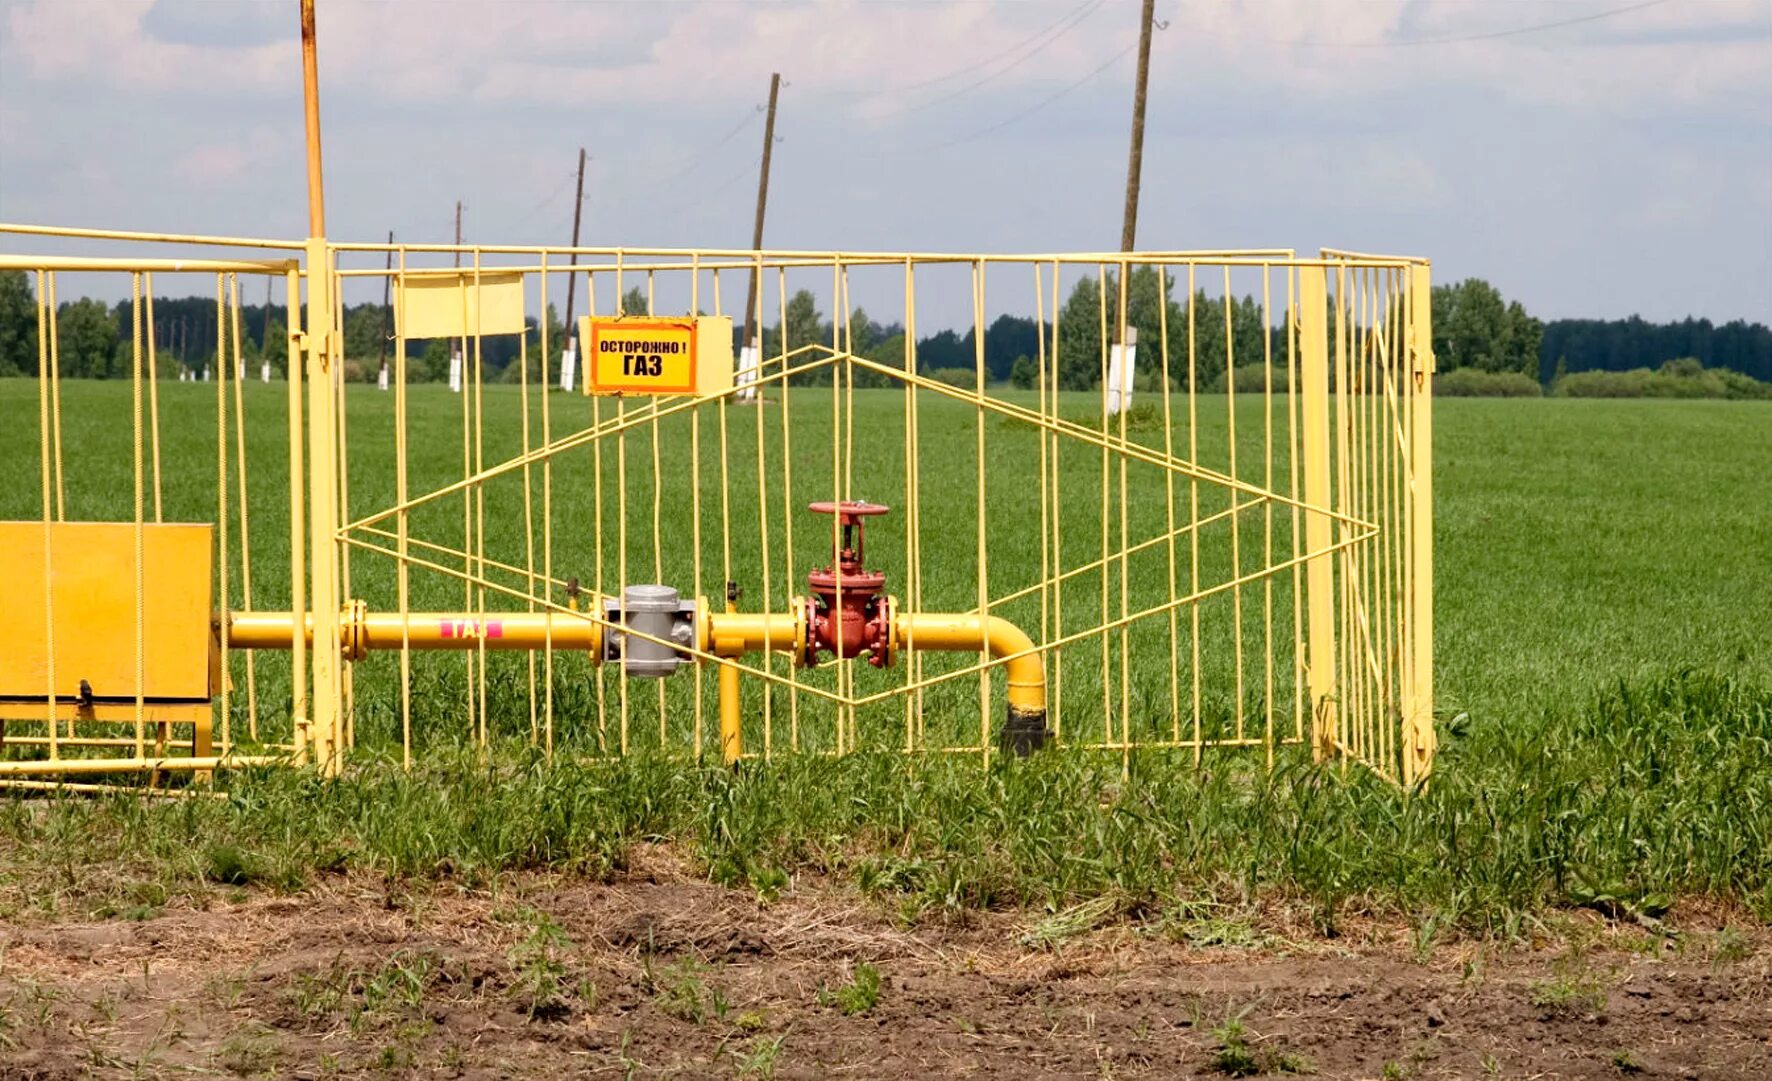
(1121, 365)
(454, 370)
(381, 381)
(748, 365)
(264, 372)
(569, 367)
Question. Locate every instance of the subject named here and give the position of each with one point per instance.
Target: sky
(1591, 158)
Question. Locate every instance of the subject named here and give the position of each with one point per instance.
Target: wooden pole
(264, 347)
(387, 284)
(578, 206)
(750, 306)
(1135, 160)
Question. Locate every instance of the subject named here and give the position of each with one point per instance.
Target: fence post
(1418, 690)
(1313, 363)
(299, 702)
(323, 507)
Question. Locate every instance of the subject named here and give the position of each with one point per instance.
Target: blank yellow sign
(92, 576)
(456, 304)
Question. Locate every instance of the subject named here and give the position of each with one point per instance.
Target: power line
(700, 199)
(1017, 47)
(1036, 43)
(701, 155)
(1063, 91)
(1069, 24)
(1037, 106)
(1399, 43)
(537, 208)
(967, 69)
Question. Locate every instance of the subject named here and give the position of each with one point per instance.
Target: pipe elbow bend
(1025, 671)
(996, 636)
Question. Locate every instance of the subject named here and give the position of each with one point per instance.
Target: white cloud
(1715, 54)
(854, 56)
(219, 165)
(107, 45)
(1483, 154)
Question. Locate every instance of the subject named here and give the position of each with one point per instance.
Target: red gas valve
(848, 616)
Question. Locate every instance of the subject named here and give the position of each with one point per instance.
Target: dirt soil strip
(665, 976)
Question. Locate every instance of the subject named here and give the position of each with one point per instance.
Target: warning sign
(641, 355)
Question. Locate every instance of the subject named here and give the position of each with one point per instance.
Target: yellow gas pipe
(731, 733)
(726, 634)
(361, 631)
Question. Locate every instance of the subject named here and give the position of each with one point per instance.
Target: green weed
(541, 972)
(1069, 923)
(679, 991)
(367, 998)
(759, 1061)
(250, 1051)
(1233, 1057)
(860, 994)
(1570, 993)
(1730, 947)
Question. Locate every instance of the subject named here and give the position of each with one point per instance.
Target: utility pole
(578, 207)
(1135, 161)
(750, 307)
(1122, 357)
(387, 284)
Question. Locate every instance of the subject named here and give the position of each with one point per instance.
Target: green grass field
(1605, 684)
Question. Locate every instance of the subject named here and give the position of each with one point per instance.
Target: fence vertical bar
(300, 705)
(1313, 366)
(1418, 749)
(321, 349)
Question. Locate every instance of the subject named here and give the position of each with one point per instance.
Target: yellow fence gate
(1160, 500)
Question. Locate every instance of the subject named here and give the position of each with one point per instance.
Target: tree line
(98, 341)
(1616, 345)
(1475, 328)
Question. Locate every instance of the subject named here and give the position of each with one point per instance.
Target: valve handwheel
(852, 510)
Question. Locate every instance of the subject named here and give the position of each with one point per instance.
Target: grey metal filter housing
(654, 610)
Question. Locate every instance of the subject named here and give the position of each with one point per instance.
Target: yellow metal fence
(1240, 557)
